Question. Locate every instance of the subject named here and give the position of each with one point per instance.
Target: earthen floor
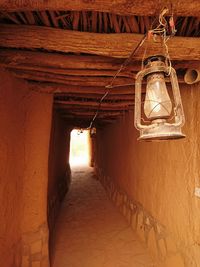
(90, 232)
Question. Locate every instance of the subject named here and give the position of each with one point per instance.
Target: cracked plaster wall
(160, 177)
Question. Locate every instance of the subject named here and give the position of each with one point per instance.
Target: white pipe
(192, 76)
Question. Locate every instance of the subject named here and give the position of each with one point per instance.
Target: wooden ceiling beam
(95, 96)
(88, 107)
(112, 45)
(84, 123)
(61, 63)
(69, 79)
(100, 119)
(88, 118)
(122, 7)
(100, 116)
(24, 59)
(93, 103)
(77, 80)
(195, 64)
(72, 72)
(91, 114)
(57, 88)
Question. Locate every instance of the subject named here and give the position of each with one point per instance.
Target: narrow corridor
(90, 232)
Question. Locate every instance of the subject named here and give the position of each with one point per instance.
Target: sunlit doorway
(79, 148)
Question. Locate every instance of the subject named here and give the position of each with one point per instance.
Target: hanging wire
(110, 86)
(127, 61)
(160, 30)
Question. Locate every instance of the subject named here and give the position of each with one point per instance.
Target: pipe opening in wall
(192, 76)
(79, 148)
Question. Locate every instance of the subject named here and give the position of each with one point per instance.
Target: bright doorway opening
(79, 148)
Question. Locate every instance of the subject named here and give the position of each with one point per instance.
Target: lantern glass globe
(157, 103)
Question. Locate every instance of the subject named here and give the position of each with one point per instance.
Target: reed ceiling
(74, 55)
(98, 22)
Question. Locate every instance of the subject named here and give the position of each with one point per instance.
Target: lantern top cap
(155, 58)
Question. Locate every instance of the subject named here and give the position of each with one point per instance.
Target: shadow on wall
(59, 170)
(79, 148)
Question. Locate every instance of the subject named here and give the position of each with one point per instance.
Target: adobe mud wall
(153, 184)
(25, 118)
(59, 169)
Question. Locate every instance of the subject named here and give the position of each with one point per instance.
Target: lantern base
(164, 131)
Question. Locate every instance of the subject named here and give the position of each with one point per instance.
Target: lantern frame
(159, 129)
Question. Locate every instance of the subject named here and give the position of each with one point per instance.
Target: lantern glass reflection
(157, 103)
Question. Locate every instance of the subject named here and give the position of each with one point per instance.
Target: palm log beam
(104, 106)
(112, 45)
(54, 62)
(70, 79)
(57, 88)
(94, 103)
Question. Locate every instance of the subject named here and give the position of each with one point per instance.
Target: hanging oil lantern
(161, 115)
